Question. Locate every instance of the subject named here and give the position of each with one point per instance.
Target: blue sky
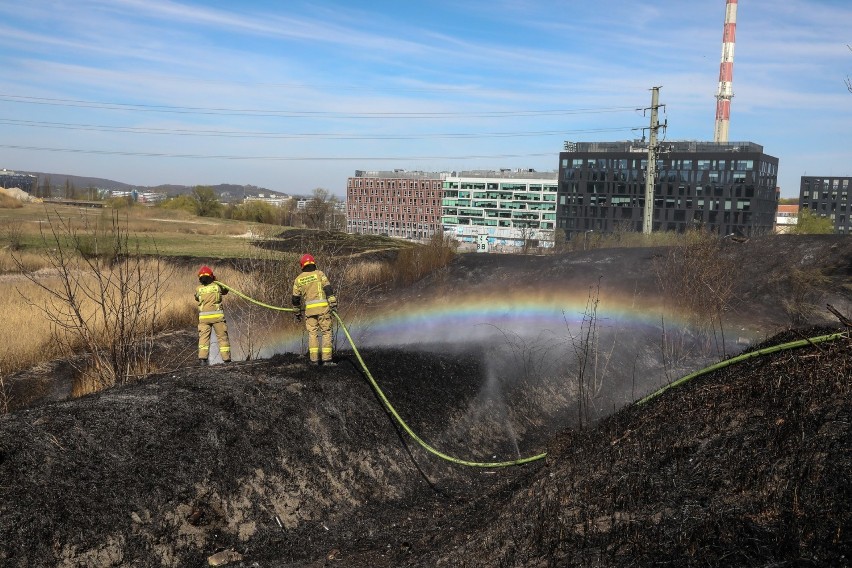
(293, 95)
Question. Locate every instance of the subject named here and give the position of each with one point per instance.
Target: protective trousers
(221, 329)
(315, 325)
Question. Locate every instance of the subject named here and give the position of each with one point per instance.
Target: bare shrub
(108, 309)
(591, 360)
(697, 279)
(15, 235)
(26, 334)
(414, 263)
(801, 293)
(265, 276)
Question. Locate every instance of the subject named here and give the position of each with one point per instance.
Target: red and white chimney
(726, 73)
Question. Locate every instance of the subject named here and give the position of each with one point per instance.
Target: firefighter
(313, 289)
(211, 316)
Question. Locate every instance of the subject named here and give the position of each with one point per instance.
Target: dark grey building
(827, 196)
(726, 187)
(25, 182)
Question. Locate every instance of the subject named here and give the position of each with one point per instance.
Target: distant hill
(223, 190)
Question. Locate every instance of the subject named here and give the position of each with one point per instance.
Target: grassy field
(153, 230)
(26, 231)
(30, 234)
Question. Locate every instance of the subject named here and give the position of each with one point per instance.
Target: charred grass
(288, 466)
(747, 466)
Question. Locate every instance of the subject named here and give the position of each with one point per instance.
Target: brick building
(396, 203)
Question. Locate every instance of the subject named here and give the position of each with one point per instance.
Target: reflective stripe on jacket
(310, 288)
(209, 300)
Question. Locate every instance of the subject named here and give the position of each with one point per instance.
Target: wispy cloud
(464, 56)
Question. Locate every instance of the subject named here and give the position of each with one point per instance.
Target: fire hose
(387, 404)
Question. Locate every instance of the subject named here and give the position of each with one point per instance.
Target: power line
(283, 135)
(295, 114)
(271, 158)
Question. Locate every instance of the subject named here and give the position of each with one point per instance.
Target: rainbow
(469, 316)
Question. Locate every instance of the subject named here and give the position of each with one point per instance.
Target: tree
(45, 190)
(319, 211)
(70, 190)
(180, 203)
(257, 211)
(206, 202)
(810, 223)
(107, 304)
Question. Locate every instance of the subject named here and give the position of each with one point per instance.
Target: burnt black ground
(296, 467)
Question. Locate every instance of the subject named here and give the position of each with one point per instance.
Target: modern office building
(25, 182)
(507, 209)
(728, 188)
(828, 196)
(396, 203)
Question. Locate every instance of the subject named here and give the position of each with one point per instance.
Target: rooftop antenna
(726, 74)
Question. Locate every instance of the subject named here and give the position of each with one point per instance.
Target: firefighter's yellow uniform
(211, 316)
(312, 293)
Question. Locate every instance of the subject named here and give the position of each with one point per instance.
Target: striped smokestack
(726, 73)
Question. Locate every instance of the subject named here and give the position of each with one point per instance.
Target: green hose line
(430, 449)
(253, 301)
(743, 357)
(385, 400)
(411, 432)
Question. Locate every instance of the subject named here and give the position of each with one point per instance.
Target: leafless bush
(801, 293)
(15, 235)
(267, 277)
(414, 263)
(528, 357)
(107, 302)
(697, 279)
(592, 362)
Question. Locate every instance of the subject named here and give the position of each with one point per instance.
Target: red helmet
(206, 271)
(305, 260)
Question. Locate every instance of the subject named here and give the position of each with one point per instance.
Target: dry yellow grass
(370, 273)
(27, 336)
(28, 234)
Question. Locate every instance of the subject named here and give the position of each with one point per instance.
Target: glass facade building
(514, 208)
(828, 196)
(727, 188)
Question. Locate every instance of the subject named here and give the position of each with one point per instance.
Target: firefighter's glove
(332, 302)
(298, 317)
